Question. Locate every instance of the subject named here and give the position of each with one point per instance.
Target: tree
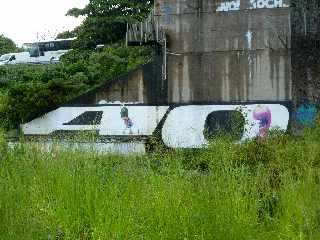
(106, 20)
(67, 34)
(7, 45)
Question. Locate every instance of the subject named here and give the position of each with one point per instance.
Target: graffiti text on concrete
(189, 126)
(307, 114)
(229, 6)
(253, 4)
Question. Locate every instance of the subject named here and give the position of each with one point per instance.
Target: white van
(15, 58)
(47, 52)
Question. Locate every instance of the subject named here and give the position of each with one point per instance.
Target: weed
(255, 190)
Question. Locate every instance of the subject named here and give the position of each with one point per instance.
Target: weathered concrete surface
(305, 19)
(230, 76)
(185, 126)
(227, 50)
(142, 85)
(100, 148)
(234, 55)
(131, 89)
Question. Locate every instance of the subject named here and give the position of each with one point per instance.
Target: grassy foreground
(256, 190)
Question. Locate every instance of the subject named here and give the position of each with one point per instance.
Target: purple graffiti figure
(126, 120)
(263, 115)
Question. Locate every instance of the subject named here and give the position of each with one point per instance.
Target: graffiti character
(126, 120)
(307, 114)
(263, 115)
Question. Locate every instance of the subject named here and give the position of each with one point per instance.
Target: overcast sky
(26, 20)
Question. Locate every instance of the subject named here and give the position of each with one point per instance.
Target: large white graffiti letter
(229, 6)
(186, 126)
(253, 4)
(107, 120)
(267, 4)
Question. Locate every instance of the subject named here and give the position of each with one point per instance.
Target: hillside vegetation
(27, 91)
(256, 190)
(260, 189)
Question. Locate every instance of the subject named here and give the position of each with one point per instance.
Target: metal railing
(145, 32)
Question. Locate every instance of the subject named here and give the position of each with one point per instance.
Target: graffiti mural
(185, 126)
(114, 120)
(126, 120)
(87, 118)
(306, 114)
(263, 115)
(227, 6)
(267, 4)
(231, 123)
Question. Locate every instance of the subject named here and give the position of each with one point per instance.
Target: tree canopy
(6, 45)
(106, 20)
(28, 91)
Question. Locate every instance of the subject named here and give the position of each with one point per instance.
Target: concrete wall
(177, 126)
(218, 50)
(131, 89)
(305, 19)
(141, 85)
(220, 53)
(227, 50)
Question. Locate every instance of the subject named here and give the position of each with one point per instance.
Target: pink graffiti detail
(127, 122)
(263, 115)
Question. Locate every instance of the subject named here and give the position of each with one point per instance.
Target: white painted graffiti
(184, 127)
(180, 127)
(267, 4)
(254, 4)
(229, 6)
(114, 120)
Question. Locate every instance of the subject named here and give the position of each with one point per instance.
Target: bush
(27, 91)
(223, 192)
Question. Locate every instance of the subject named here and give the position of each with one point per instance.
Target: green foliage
(67, 34)
(113, 62)
(28, 100)
(28, 91)
(7, 45)
(255, 190)
(106, 20)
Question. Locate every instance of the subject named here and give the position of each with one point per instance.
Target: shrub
(27, 91)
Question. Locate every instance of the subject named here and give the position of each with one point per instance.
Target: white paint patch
(229, 6)
(267, 4)
(249, 36)
(144, 118)
(184, 127)
(104, 102)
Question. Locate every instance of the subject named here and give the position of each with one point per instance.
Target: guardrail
(144, 33)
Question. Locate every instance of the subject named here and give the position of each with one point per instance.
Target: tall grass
(255, 190)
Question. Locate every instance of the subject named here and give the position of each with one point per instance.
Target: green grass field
(255, 190)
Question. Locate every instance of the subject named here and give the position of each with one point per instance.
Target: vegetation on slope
(27, 91)
(257, 190)
(106, 20)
